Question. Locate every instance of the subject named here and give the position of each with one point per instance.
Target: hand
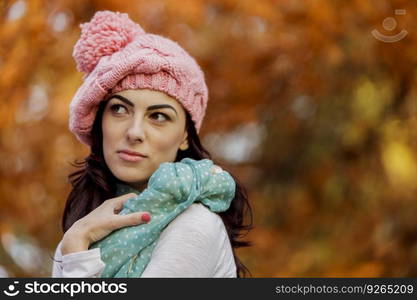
(99, 223)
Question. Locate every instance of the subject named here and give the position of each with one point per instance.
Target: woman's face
(149, 122)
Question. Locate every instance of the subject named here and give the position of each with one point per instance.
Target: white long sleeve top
(194, 244)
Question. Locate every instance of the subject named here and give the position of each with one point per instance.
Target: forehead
(147, 97)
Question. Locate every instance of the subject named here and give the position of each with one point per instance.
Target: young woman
(141, 104)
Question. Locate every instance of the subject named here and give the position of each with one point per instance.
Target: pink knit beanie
(116, 54)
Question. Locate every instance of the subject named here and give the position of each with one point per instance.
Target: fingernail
(146, 217)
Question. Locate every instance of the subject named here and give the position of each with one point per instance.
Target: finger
(131, 219)
(119, 201)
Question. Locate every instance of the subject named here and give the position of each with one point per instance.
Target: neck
(131, 187)
(139, 186)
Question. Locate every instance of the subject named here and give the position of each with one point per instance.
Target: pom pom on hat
(106, 33)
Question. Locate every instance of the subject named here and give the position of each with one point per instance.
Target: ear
(184, 143)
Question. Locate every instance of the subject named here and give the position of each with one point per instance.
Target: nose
(135, 131)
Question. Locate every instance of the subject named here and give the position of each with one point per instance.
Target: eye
(165, 117)
(115, 108)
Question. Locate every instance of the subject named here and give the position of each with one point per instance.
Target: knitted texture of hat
(116, 54)
(172, 188)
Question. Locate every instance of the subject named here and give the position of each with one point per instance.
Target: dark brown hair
(94, 183)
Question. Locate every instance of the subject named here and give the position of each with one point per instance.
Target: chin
(129, 175)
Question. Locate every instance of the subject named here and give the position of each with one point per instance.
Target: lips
(131, 156)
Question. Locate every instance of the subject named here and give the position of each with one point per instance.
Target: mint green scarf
(171, 189)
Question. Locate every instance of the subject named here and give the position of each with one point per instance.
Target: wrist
(74, 240)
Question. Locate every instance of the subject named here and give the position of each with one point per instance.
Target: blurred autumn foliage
(314, 114)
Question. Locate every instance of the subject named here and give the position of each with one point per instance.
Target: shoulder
(194, 244)
(199, 214)
(197, 229)
(197, 219)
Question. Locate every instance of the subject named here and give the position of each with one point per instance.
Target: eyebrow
(151, 107)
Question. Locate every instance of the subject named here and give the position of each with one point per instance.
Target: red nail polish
(146, 217)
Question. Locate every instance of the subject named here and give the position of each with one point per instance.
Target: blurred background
(312, 104)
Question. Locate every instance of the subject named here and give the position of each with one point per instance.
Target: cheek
(109, 124)
(164, 147)
(166, 143)
(111, 133)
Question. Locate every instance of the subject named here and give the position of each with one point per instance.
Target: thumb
(131, 219)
